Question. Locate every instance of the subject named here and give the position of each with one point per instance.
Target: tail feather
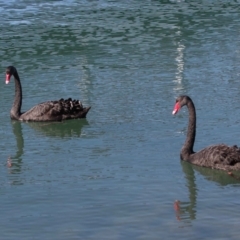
(84, 112)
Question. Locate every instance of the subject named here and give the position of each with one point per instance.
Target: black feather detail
(219, 156)
(46, 111)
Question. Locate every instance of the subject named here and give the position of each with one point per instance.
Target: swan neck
(187, 149)
(17, 104)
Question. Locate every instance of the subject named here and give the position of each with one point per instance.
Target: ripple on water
(118, 172)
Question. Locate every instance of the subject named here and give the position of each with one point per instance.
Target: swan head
(9, 72)
(180, 102)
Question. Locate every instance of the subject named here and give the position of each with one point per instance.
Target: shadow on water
(70, 128)
(186, 211)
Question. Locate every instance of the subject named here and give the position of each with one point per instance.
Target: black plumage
(46, 111)
(219, 156)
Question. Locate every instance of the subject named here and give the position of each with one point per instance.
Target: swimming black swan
(219, 156)
(46, 111)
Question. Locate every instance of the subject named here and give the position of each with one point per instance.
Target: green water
(117, 174)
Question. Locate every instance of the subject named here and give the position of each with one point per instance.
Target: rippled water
(117, 174)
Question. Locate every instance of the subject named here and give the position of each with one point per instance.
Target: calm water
(117, 174)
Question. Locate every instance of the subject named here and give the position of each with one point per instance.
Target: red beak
(176, 108)
(8, 76)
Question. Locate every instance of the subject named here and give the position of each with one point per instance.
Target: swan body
(47, 111)
(219, 156)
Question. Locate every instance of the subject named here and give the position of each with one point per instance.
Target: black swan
(219, 156)
(46, 111)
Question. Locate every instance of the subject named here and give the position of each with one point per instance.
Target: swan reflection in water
(14, 163)
(70, 128)
(65, 129)
(186, 210)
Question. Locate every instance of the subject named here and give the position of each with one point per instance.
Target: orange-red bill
(8, 76)
(176, 108)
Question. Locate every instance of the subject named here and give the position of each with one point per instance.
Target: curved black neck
(187, 148)
(17, 104)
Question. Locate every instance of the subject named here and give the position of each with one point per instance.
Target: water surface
(117, 174)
